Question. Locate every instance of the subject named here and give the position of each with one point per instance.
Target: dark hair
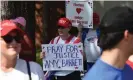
(73, 31)
(109, 40)
(112, 26)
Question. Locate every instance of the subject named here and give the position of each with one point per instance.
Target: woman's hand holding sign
(42, 55)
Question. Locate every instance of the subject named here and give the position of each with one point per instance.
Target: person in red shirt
(27, 51)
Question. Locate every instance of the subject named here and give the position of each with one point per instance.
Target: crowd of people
(108, 48)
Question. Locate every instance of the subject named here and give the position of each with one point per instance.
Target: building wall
(102, 6)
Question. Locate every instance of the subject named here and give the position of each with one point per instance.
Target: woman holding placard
(64, 26)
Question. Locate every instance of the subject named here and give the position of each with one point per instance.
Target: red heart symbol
(78, 10)
(76, 67)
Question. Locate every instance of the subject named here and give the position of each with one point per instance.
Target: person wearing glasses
(11, 67)
(65, 37)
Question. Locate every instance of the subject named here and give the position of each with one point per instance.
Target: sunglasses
(9, 38)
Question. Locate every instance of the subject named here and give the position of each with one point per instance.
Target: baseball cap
(64, 22)
(7, 26)
(20, 20)
(117, 19)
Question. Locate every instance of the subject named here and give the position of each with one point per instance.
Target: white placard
(62, 57)
(80, 12)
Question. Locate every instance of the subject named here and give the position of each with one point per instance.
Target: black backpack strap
(28, 69)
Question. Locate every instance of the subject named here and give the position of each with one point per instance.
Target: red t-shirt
(130, 64)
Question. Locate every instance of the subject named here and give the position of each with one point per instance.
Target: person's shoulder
(37, 69)
(102, 71)
(128, 72)
(130, 63)
(77, 40)
(34, 64)
(128, 68)
(20, 61)
(54, 39)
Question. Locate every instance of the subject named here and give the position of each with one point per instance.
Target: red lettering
(79, 5)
